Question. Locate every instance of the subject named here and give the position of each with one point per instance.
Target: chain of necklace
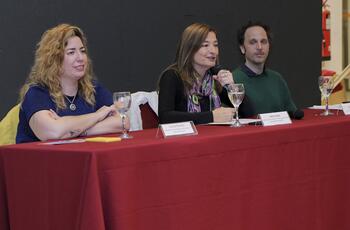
(72, 106)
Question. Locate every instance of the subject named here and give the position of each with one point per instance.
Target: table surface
(281, 177)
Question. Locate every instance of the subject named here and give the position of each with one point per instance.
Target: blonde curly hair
(48, 61)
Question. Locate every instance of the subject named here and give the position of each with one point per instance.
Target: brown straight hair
(191, 40)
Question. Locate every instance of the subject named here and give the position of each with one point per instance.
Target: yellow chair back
(8, 126)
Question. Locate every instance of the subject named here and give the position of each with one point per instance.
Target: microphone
(215, 70)
(297, 114)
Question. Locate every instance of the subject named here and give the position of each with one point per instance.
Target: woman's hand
(105, 111)
(224, 77)
(223, 114)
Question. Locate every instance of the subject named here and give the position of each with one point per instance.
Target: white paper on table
(178, 129)
(346, 108)
(243, 121)
(62, 142)
(335, 106)
(275, 118)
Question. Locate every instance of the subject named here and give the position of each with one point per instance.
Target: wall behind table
(132, 41)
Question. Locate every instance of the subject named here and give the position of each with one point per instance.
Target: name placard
(346, 108)
(178, 129)
(276, 118)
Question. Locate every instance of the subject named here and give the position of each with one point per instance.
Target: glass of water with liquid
(236, 94)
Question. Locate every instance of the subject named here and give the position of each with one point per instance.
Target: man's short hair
(241, 31)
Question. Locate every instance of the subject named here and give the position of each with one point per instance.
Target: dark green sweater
(264, 93)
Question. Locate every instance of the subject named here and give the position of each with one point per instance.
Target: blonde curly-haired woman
(60, 98)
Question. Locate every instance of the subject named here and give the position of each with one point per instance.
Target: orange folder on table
(102, 139)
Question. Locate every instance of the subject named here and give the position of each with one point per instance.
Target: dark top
(172, 106)
(264, 93)
(38, 98)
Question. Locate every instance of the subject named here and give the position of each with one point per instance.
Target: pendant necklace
(72, 106)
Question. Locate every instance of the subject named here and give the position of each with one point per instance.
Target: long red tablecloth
(293, 177)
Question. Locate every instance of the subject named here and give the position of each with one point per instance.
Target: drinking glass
(122, 101)
(326, 85)
(236, 95)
